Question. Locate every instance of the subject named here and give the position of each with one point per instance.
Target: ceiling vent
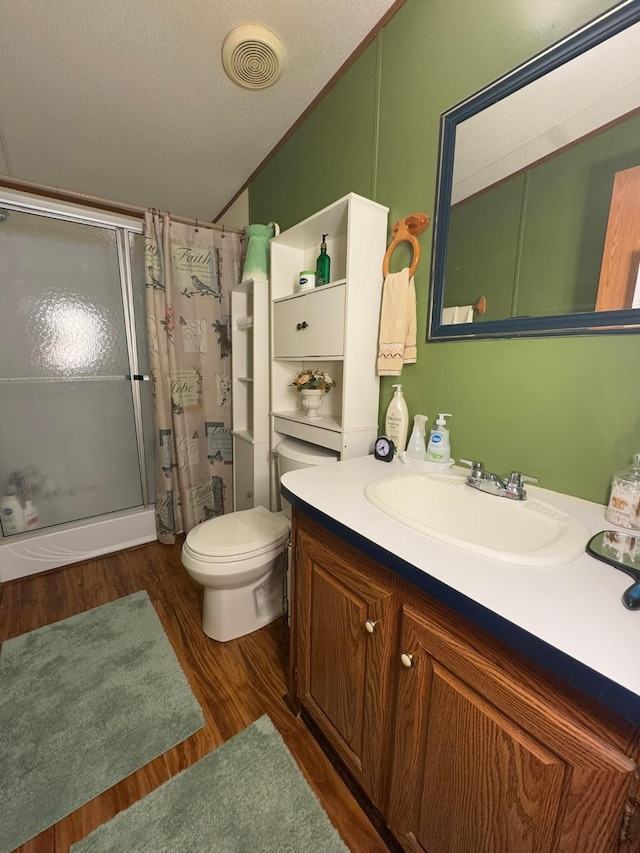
(253, 56)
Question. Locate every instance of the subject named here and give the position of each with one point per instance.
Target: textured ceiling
(127, 99)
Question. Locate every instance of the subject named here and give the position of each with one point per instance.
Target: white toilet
(240, 559)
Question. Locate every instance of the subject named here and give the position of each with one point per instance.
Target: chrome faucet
(511, 487)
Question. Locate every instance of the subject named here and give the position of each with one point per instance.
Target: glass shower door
(67, 426)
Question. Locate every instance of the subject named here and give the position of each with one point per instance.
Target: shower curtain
(189, 274)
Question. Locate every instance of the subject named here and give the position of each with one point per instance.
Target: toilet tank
(293, 454)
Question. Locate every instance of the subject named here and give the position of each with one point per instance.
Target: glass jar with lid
(624, 503)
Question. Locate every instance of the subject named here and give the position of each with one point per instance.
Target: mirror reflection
(621, 550)
(538, 211)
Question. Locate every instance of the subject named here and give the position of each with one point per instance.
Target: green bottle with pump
(323, 264)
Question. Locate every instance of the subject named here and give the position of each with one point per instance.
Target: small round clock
(384, 449)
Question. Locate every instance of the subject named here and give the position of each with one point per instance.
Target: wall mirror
(537, 226)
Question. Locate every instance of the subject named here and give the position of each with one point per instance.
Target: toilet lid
(239, 534)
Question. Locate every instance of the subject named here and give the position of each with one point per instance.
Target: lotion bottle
(11, 515)
(439, 448)
(416, 448)
(397, 420)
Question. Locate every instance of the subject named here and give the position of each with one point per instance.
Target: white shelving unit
(250, 393)
(333, 327)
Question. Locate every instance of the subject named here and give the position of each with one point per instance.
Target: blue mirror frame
(591, 322)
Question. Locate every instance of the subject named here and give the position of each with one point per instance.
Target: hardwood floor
(235, 683)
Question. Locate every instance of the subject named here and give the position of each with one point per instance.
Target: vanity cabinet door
(344, 627)
(484, 763)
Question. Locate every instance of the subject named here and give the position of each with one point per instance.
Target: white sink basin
(527, 533)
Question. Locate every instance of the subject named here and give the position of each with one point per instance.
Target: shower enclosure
(76, 416)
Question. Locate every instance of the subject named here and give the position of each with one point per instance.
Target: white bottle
(396, 423)
(439, 448)
(416, 448)
(31, 518)
(11, 514)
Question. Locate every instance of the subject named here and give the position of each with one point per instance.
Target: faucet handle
(477, 468)
(518, 479)
(514, 487)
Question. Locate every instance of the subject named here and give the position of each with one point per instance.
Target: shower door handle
(137, 377)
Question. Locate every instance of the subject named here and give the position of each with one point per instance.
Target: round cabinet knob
(406, 659)
(370, 625)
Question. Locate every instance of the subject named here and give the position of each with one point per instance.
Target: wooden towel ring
(406, 229)
(480, 306)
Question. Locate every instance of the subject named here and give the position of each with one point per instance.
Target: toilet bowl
(240, 558)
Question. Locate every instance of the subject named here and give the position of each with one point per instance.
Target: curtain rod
(102, 203)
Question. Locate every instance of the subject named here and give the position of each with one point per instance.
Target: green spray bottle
(323, 264)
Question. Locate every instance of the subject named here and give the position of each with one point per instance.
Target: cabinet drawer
(330, 439)
(310, 325)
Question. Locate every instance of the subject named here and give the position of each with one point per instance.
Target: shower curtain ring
(196, 224)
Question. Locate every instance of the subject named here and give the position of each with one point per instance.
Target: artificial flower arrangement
(313, 380)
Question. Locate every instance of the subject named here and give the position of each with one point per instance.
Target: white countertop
(575, 608)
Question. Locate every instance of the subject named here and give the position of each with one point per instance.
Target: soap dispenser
(323, 264)
(439, 448)
(396, 423)
(416, 448)
(624, 503)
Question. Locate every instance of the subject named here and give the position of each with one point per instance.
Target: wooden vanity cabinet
(488, 758)
(344, 623)
(464, 745)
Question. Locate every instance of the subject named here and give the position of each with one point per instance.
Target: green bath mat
(83, 703)
(247, 796)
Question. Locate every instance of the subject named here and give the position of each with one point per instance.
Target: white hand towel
(457, 314)
(397, 342)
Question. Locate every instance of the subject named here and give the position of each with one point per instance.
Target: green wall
(563, 409)
(483, 250)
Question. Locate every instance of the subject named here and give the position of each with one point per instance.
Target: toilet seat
(237, 537)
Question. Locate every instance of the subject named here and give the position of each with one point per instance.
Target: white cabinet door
(310, 325)
(288, 332)
(324, 335)
(243, 497)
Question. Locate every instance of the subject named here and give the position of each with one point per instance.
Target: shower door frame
(28, 553)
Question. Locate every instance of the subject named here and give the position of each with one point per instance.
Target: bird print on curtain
(190, 275)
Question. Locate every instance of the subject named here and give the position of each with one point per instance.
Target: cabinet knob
(370, 626)
(302, 325)
(406, 659)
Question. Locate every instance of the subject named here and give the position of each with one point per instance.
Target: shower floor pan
(29, 554)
